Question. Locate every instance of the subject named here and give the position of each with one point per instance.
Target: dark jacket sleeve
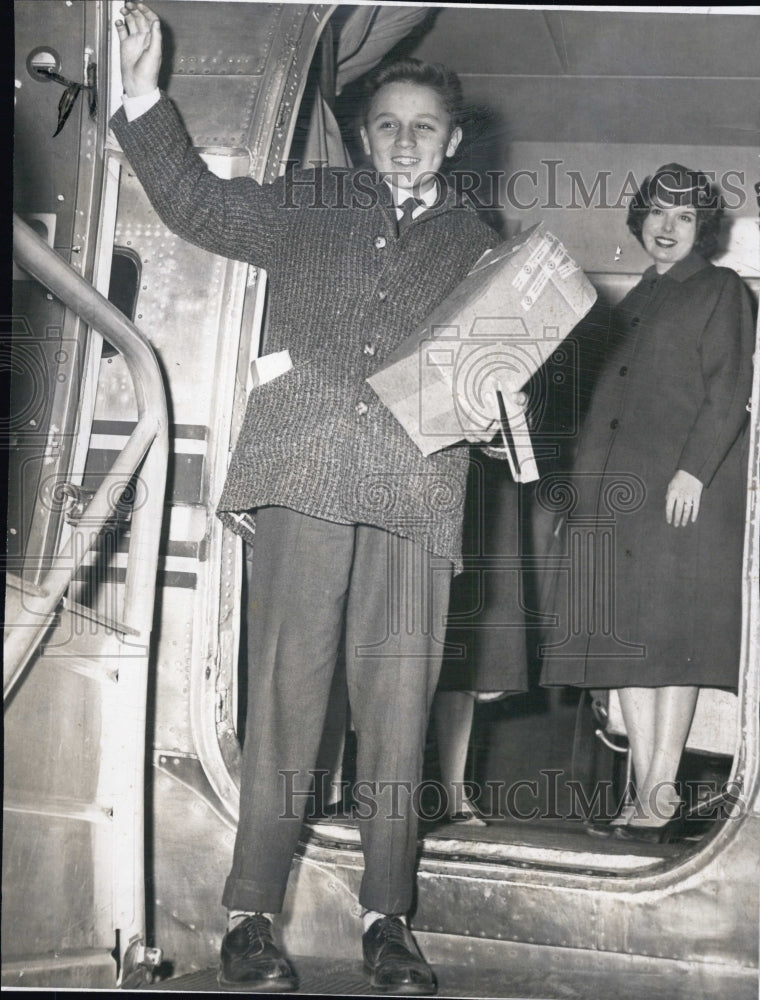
(236, 218)
(726, 348)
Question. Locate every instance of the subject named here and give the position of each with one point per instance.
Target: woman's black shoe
(667, 833)
(606, 828)
(251, 959)
(596, 829)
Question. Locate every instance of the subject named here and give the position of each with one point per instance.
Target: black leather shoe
(251, 959)
(672, 831)
(393, 960)
(594, 828)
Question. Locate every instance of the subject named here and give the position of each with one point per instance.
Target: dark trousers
(312, 577)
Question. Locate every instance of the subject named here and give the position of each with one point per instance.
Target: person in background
(487, 658)
(664, 447)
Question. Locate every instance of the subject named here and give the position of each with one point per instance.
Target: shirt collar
(428, 198)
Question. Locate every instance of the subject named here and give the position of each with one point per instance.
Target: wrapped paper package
(494, 331)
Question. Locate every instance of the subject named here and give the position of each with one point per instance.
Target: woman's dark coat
(641, 602)
(486, 638)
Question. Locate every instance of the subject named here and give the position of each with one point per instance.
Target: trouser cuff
(242, 894)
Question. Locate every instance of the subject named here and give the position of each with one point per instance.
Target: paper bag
(497, 327)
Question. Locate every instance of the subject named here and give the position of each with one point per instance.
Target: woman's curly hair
(671, 185)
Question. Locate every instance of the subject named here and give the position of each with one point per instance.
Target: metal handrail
(147, 449)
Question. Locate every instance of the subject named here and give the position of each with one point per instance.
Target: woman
(660, 478)
(355, 529)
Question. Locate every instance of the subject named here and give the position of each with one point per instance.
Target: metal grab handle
(148, 444)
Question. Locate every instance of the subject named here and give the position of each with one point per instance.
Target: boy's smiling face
(408, 134)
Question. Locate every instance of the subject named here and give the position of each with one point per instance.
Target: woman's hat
(675, 185)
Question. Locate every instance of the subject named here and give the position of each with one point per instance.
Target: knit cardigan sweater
(344, 291)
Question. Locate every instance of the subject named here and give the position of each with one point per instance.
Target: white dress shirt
(136, 106)
(428, 198)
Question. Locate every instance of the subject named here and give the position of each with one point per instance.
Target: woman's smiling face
(408, 134)
(668, 234)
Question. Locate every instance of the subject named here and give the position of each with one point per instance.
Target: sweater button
(635, 321)
(623, 370)
(614, 423)
(382, 295)
(361, 409)
(380, 242)
(370, 350)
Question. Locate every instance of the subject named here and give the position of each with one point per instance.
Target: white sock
(370, 916)
(235, 916)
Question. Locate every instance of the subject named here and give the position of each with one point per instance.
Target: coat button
(361, 409)
(380, 242)
(614, 423)
(623, 370)
(382, 295)
(635, 321)
(370, 350)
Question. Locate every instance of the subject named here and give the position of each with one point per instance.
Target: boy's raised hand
(140, 41)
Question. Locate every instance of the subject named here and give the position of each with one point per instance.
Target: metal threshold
(560, 844)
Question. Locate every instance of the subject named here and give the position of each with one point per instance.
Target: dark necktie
(407, 207)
